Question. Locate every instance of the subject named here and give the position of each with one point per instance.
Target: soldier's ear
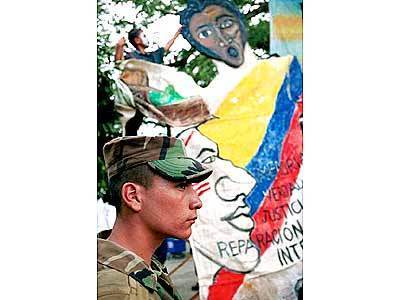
(130, 194)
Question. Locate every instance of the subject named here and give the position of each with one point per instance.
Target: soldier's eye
(205, 33)
(209, 160)
(182, 185)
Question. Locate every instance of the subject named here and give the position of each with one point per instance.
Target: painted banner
(247, 125)
(286, 34)
(251, 221)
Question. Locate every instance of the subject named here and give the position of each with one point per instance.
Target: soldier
(150, 180)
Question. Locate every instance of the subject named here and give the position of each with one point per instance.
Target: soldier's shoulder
(111, 281)
(114, 284)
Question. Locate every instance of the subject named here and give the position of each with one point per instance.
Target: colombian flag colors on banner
(258, 127)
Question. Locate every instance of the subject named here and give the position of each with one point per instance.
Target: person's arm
(171, 42)
(119, 49)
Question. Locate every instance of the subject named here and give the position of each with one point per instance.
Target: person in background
(138, 39)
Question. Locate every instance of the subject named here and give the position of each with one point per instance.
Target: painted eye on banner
(209, 159)
(226, 24)
(205, 33)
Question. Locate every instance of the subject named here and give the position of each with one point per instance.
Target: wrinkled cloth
(167, 104)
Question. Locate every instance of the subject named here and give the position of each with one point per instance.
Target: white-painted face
(222, 231)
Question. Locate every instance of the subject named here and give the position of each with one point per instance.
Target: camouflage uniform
(122, 275)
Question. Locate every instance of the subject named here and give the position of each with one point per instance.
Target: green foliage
(259, 36)
(201, 68)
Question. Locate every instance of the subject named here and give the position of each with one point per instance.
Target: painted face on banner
(227, 242)
(218, 30)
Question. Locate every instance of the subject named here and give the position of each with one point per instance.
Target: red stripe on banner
(188, 139)
(200, 186)
(226, 283)
(203, 191)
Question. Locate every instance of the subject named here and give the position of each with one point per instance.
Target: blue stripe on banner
(296, 80)
(265, 164)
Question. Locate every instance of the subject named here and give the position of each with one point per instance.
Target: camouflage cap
(166, 156)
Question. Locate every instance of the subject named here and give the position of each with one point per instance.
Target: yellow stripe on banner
(244, 114)
(287, 28)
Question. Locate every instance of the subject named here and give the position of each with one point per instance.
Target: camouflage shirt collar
(154, 278)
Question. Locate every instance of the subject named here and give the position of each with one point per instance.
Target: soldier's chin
(184, 235)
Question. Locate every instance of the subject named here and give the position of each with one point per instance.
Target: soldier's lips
(192, 220)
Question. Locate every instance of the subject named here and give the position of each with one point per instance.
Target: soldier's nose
(195, 202)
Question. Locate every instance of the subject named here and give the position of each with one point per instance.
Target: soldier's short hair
(141, 174)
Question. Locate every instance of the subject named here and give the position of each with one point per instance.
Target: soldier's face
(170, 208)
(218, 29)
(222, 232)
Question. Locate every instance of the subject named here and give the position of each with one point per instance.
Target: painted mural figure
(225, 193)
(217, 29)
